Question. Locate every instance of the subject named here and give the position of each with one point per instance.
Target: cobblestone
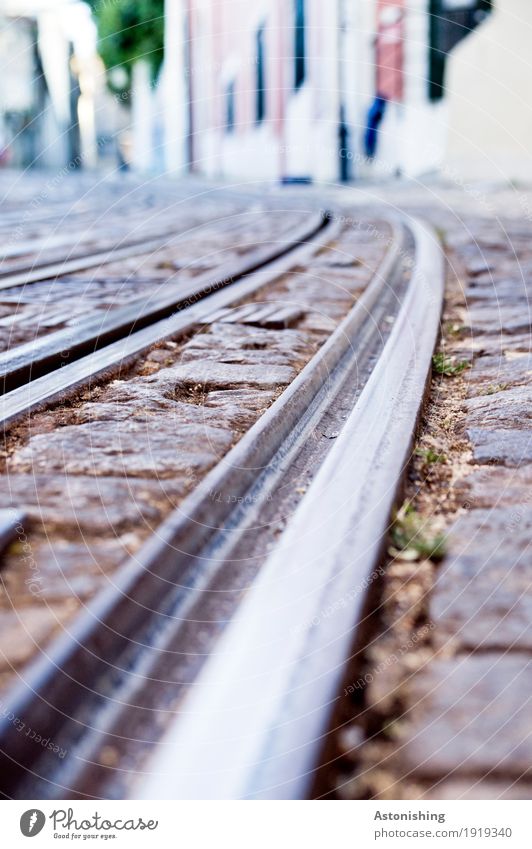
(469, 719)
(37, 309)
(98, 505)
(508, 446)
(23, 631)
(106, 448)
(209, 375)
(496, 486)
(468, 715)
(488, 560)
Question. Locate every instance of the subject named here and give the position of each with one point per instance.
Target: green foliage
(129, 30)
(442, 364)
(452, 328)
(495, 387)
(429, 456)
(412, 539)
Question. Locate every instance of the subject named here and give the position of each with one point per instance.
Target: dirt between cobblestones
(96, 474)
(435, 705)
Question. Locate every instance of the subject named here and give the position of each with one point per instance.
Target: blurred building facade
(50, 72)
(297, 89)
(307, 89)
(489, 98)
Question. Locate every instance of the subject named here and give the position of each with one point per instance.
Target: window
(450, 22)
(230, 107)
(299, 43)
(260, 102)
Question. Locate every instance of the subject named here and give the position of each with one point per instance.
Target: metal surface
(258, 482)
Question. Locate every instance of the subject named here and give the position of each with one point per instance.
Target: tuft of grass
(429, 456)
(448, 366)
(394, 729)
(496, 387)
(452, 328)
(410, 539)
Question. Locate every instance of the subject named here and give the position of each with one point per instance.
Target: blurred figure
(375, 116)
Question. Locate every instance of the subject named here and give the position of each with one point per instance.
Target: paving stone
(228, 343)
(176, 412)
(124, 448)
(318, 324)
(451, 789)
(231, 408)
(508, 408)
(339, 283)
(478, 265)
(98, 505)
(143, 277)
(510, 447)
(482, 344)
(499, 319)
(499, 370)
(482, 596)
(239, 408)
(304, 290)
(507, 291)
(502, 523)
(210, 375)
(482, 599)
(51, 571)
(496, 486)
(471, 717)
(143, 392)
(479, 299)
(255, 357)
(23, 633)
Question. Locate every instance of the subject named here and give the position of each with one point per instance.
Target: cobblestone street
(120, 465)
(266, 414)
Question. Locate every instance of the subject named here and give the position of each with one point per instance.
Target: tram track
(118, 222)
(255, 723)
(82, 252)
(95, 329)
(133, 650)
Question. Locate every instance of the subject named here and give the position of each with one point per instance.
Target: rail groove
(130, 633)
(254, 724)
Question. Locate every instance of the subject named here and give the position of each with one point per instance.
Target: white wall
(142, 115)
(424, 122)
(490, 97)
(174, 88)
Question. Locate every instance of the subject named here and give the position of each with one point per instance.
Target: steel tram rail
(121, 646)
